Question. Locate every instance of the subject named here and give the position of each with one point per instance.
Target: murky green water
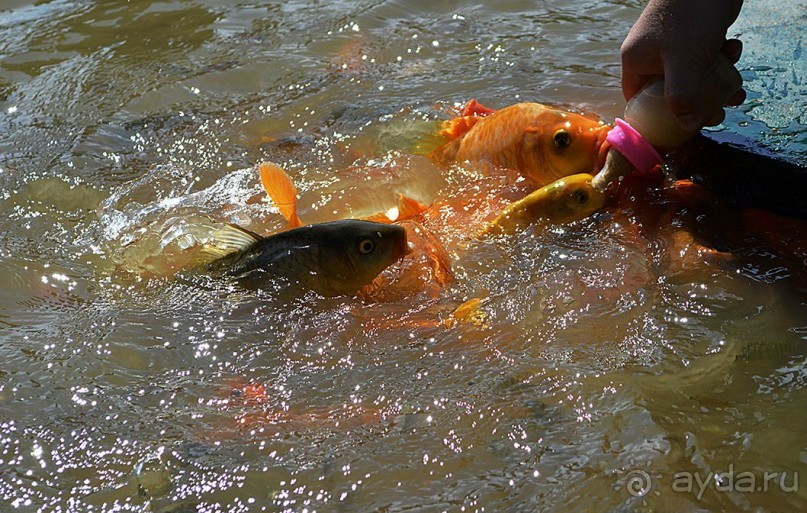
(602, 363)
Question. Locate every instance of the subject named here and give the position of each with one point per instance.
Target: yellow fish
(564, 201)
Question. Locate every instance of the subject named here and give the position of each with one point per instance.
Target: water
(605, 359)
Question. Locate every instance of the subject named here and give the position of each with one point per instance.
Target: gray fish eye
(366, 246)
(580, 196)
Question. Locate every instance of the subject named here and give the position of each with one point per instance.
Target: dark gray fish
(332, 259)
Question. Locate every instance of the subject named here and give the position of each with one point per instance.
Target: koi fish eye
(562, 139)
(580, 196)
(366, 246)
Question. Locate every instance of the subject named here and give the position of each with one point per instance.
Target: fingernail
(689, 122)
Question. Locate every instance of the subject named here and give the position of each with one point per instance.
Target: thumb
(683, 90)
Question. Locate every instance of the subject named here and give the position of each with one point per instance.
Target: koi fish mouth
(602, 146)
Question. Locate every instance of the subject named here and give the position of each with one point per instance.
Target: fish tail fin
(278, 185)
(409, 207)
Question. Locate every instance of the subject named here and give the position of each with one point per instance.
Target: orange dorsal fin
(382, 217)
(457, 127)
(281, 190)
(409, 207)
(406, 209)
(474, 108)
(470, 114)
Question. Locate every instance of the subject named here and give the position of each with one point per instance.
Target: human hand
(679, 40)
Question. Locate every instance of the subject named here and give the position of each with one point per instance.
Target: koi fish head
(542, 143)
(558, 144)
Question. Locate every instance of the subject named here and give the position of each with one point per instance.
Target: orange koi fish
(541, 143)
(252, 409)
(786, 236)
(665, 217)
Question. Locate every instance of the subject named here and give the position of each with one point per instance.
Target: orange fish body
(251, 408)
(666, 221)
(426, 269)
(541, 143)
(786, 236)
(434, 234)
(480, 208)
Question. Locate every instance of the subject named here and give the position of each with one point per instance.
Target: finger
(733, 49)
(631, 82)
(737, 98)
(683, 83)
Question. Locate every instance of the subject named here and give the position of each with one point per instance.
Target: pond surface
(614, 372)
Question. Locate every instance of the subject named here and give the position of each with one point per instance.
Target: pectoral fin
(229, 239)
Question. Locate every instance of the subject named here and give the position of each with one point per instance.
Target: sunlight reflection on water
(599, 355)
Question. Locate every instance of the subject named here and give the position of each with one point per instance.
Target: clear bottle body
(650, 115)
